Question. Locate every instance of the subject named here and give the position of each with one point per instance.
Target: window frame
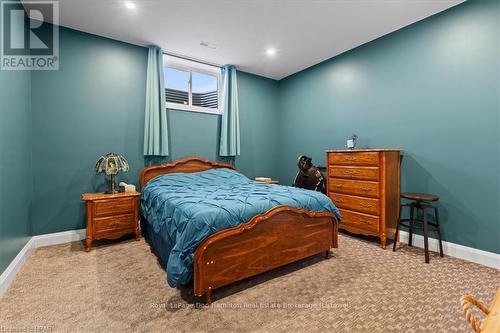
(191, 66)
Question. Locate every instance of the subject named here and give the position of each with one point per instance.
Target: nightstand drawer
(114, 223)
(113, 206)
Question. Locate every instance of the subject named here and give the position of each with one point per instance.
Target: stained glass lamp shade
(111, 164)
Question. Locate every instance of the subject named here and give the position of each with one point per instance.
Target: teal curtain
(155, 126)
(230, 122)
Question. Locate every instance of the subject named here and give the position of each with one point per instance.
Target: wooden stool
(420, 203)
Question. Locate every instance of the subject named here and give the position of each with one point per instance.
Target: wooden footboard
(270, 240)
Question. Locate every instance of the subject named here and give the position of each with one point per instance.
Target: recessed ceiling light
(270, 52)
(209, 45)
(129, 5)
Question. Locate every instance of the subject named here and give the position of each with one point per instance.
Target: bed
(213, 225)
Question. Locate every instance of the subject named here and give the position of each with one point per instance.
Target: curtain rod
(192, 59)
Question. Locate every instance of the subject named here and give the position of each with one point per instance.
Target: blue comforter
(182, 209)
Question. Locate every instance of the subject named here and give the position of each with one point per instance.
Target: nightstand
(111, 216)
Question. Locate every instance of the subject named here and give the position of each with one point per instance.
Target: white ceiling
(304, 32)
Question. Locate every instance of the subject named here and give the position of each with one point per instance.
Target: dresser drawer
(355, 187)
(361, 173)
(113, 207)
(114, 223)
(360, 220)
(362, 158)
(358, 204)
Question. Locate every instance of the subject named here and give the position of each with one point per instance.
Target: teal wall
(15, 163)
(431, 89)
(95, 104)
(92, 105)
(258, 103)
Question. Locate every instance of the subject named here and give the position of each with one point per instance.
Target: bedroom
(417, 79)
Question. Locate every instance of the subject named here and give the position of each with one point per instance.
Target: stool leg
(438, 232)
(426, 236)
(410, 232)
(396, 235)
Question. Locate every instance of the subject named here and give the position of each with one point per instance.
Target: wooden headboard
(187, 165)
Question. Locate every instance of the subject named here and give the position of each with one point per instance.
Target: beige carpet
(362, 288)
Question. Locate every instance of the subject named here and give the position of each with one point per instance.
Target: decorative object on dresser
(420, 202)
(110, 216)
(364, 185)
(111, 164)
(352, 141)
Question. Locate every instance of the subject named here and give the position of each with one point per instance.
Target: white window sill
(199, 109)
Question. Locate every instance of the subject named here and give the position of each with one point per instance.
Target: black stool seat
(420, 203)
(420, 196)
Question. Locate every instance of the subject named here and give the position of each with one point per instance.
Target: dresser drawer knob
(365, 204)
(366, 189)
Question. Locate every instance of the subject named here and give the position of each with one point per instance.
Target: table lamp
(111, 164)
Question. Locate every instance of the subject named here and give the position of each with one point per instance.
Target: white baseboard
(15, 266)
(481, 257)
(34, 242)
(58, 238)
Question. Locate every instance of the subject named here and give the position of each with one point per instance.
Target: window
(191, 86)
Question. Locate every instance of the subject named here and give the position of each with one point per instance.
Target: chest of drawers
(364, 184)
